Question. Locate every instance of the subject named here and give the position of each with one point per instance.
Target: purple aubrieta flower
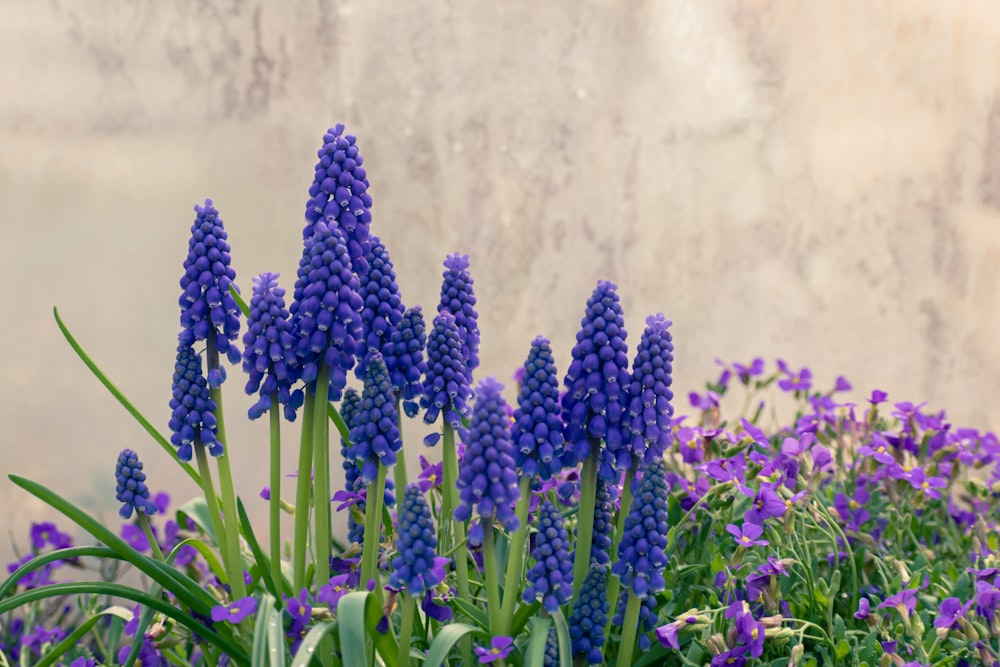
(417, 567)
(48, 533)
(668, 634)
(749, 631)
(382, 308)
(747, 535)
(877, 448)
(192, 420)
(486, 474)
(590, 615)
(326, 311)
(300, 610)
(269, 349)
(236, 611)
(538, 428)
(208, 309)
(131, 489)
(792, 381)
(446, 386)
(904, 601)
(458, 299)
(339, 193)
(597, 383)
(950, 612)
(149, 655)
(500, 648)
(641, 556)
(338, 586)
(375, 432)
(404, 357)
(766, 505)
(431, 474)
(551, 577)
(650, 410)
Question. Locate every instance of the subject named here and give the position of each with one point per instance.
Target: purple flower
(338, 586)
(600, 546)
(269, 349)
(801, 381)
(904, 601)
(590, 614)
(436, 607)
(486, 476)
(841, 384)
(747, 534)
(383, 309)
(300, 610)
(766, 505)
(208, 310)
(649, 393)
(864, 610)
(755, 369)
(930, 486)
(950, 612)
(41, 637)
(375, 431)
(131, 489)
(192, 420)
(597, 384)
(458, 299)
(135, 537)
(339, 193)
(500, 648)
(236, 611)
(36, 578)
(707, 401)
(689, 441)
(326, 310)
(641, 556)
(877, 448)
(404, 357)
(47, 533)
(430, 474)
(668, 634)
(417, 567)
(149, 655)
(987, 599)
(446, 386)
(551, 577)
(734, 657)
(538, 428)
(878, 396)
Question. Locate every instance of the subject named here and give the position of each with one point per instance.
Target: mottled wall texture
(818, 181)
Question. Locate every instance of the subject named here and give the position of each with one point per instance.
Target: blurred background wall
(812, 181)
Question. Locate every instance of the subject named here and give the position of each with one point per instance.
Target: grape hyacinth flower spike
(269, 349)
(590, 615)
(131, 489)
(551, 578)
(538, 428)
(382, 309)
(192, 420)
(375, 438)
(339, 194)
(458, 299)
(416, 568)
(650, 396)
(404, 357)
(446, 385)
(208, 310)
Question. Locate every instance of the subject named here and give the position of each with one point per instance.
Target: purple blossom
(131, 489)
(36, 578)
(878, 396)
(135, 537)
(375, 438)
(382, 309)
(537, 431)
(878, 448)
(747, 535)
(417, 567)
(404, 357)
(597, 383)
(192, 420)
(766, 505)
(551, 577)
(338, 586)
(904, 601)
(841, 384)
(149, 655)
(930, 485)
(649, 393)
(236, 611)
(950, 611)
(446, 386)
(755, 369)
(864, 610)
(590, 614)
(500, 648)
(339, 194)
(668, 634)
(641, 557)
(48, 533)
(430, 475)
(300, 610)
(800, 381)
(458, 298)
(41, 637)
(208, 309)
(269, 349)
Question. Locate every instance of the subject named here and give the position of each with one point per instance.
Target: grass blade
(446, 639)
(534, 654)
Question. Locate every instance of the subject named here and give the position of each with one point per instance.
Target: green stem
(234, 560)
(302, 492)
(275, 502)
(626, 504)
(457, 535)
(321, 465)
(492, 581)
(585, 517)
(373, 528)
(399, 471)
(629, 627)
(148, 530)
(406, 629)
(515, 558)
(205, 472)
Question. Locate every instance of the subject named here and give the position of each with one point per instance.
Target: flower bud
(715, 644)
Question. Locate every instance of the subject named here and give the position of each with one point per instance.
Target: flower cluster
(382, 309)
(131, 489)
(552, 575)
(538, 429)
(404, 357)
(458, 299)
(417, 568)
(269, 349)
(649, 409)
(192, 420)
(446, 384)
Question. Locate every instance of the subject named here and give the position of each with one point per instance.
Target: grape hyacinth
(417, 568)
(597, 383)
(208, 310)
(600, 547)
(326, 310)
(131, 489)
(339, 194)
(641, 556)
(193, 418)
(590, 615)
(486, 476)
(650, 410)
(458, 299)
(269, 349)
(353, 484)
(375, 435)
(382, 309)
(446, 385)
(404, 357)
(538, 429)
(551, 578)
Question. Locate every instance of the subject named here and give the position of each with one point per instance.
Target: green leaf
(276, 638)
(196, 509)
(522, 615)
(655, 656)
(843, 649)
(263, 562)
(534, 654)
(358, 614)
(473, 612)
(562, 637)
(132, 410)
(118, 590)
(72, 638)
(43, 559)
(261, 637)
(445, 640)
(240, 303)
(308, 646)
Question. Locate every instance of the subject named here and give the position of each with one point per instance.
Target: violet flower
(192, 419)
(269, 349)
(235, 612)
(747, 535)
(417, 567)
(446, 386)
(500, 648)
(641, 557)
(551, 577)
(382, 309)
(404, 357)
(131, 489)
(458, 298)
(208, 309)
(950, 612)
(538, 429)
(649, 393)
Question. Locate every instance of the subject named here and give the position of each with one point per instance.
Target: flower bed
(584, 524)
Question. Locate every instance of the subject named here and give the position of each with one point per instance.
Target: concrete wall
(815, 181)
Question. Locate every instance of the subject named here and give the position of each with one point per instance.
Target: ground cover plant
(584, 522)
